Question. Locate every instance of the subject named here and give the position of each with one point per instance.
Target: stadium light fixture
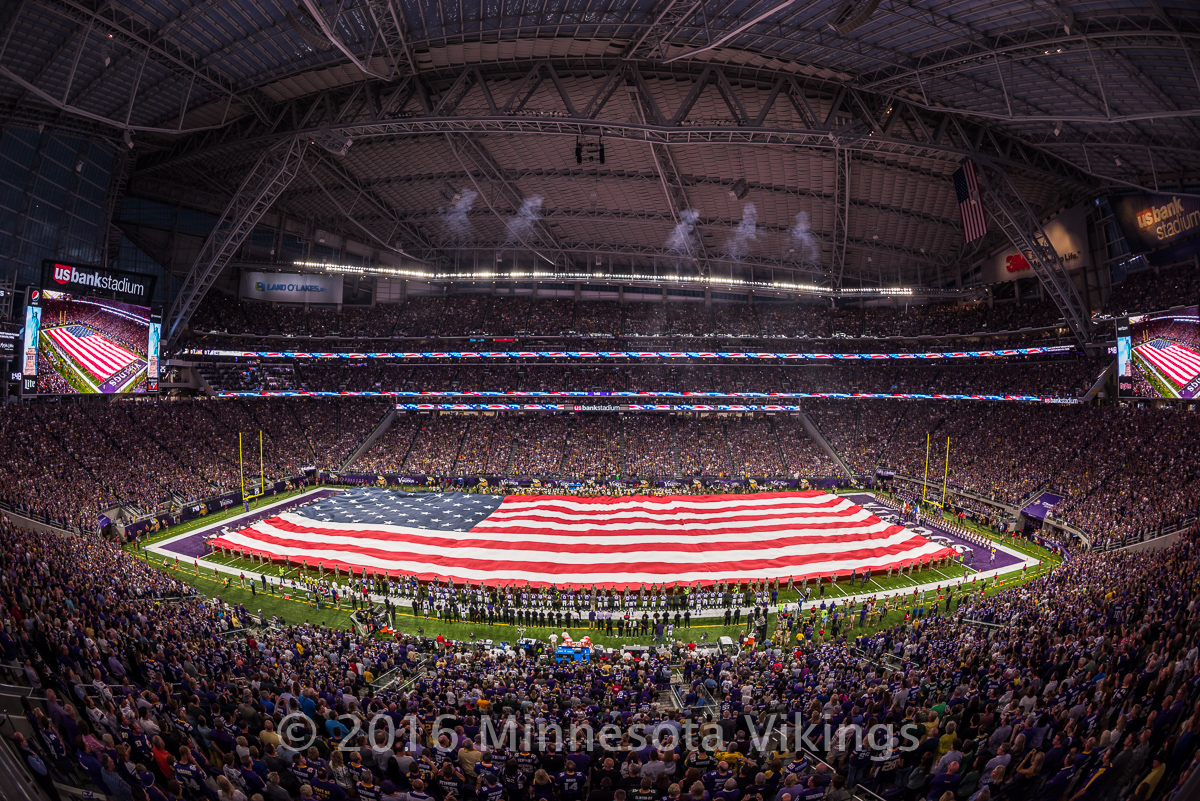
(541, 275)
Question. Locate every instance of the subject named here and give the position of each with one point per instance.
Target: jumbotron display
(89, 346)
(1158, 355)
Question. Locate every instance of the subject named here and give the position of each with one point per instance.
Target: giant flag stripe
(96, 359)
(579, 566)
(568, 541)
(104, 352)
(437, 545)
(760, 536)
(96, 354)
(1176, 361)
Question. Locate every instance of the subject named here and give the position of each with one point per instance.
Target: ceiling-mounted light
(451, 194)
(127, 137)
(851, 14)
(79, 166)
(1057, 128)
(336, 143)
(1117, 159)
(739, 189)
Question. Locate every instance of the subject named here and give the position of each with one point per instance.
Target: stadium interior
(820, 377)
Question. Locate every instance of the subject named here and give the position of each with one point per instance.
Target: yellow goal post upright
(946, 476)
(262, 482)
(925, 482)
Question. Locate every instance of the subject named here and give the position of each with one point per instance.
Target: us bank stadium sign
(82, 279)
(1150, 222)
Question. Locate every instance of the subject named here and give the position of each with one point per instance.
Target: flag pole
(925, 483)
(946, 478)
(241, 466)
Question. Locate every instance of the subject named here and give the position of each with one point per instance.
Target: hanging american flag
(970, 206)
(580, 541)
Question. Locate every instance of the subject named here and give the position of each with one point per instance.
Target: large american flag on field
(579, 541)
(1180, 363)
(970, 205)
(96, 354)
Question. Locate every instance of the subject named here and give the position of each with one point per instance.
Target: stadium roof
(841, 122)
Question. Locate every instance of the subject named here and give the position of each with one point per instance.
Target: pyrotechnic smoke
(456, 220)
(744, 233)
(682, 238)
(521, 224)
(804, 243)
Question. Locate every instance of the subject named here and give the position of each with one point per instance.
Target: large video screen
(1158, 355)
(84, 345)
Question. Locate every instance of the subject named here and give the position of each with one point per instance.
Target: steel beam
(936, 134)
(1023, 229)
(381, 25)
(108, 242)
(204, 84)
(841, 214)
(487, 174)
(266, 181)
(668, 173)
(669, 17)
(359, 205)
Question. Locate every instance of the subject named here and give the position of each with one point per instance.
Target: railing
(860, 791)
(1129, 541)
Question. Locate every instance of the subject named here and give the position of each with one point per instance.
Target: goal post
(262, 482)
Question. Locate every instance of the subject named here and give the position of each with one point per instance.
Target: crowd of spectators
(802, 457)
(649, 447)
(70, 461)
(1081, 684)
(593, 447)
(504, 315)
(1120, 470)
(857, 431)
(1063, 377)
(1155, 290)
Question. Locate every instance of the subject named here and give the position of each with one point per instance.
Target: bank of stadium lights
(532, 275)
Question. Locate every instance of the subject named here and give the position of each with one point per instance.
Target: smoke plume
(744, 233)
(803, 241)
(455, 219)
(683, 238)
(521, 223)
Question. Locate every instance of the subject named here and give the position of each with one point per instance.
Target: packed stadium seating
(1121, 470)
(1088, 675)
(505, 316)
(1154, 290)
(1062, 377)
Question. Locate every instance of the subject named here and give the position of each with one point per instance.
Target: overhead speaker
(851, 14)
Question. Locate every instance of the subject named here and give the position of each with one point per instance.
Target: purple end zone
(117, 379)
(982, 554)
(192, 546)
